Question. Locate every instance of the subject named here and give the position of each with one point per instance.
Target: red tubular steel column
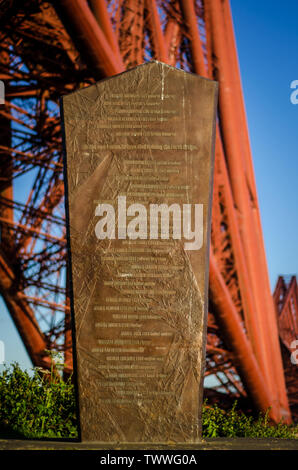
(235, 146)
(228, 317)
(189, 14)
(240, 261)
(79, 18)
(251, 374)
(188, 10)
(99, 8)
(21, 313)
(235, 156)
(131, 32)
(156, 31)
(23, 318)
(172, 38)
(269, 309)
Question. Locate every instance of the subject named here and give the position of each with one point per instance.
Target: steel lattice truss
(50, 48)
(286, 301)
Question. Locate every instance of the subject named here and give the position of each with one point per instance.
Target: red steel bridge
(49, 48)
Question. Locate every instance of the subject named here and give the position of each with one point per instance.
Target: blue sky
(267, 38)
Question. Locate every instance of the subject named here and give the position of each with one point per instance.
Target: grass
(43, 406)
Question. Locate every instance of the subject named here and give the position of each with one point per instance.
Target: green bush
(36, 406)
(43, 405)
(234, 423)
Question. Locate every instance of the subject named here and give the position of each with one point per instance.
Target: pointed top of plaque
(154, 69)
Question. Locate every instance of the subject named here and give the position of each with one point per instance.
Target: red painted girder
(200, 68)
(269, 358)
(268, 303)
(100, 11)
(172, 39)
(23, 317)
(237, 245)
(158, 39)
(80, 20)
(228, 317)
(288, 310)
(234, 154)
(187, 8)
(131, 32)
(189, 14)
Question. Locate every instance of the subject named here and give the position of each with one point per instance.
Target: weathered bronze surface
(139, 304)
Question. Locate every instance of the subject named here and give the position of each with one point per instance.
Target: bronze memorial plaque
(139, 166)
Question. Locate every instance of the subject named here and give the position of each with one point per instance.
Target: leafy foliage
(234, 423)
(43, 405)
(40, 405)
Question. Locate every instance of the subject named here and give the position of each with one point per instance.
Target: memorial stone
(138, 172)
